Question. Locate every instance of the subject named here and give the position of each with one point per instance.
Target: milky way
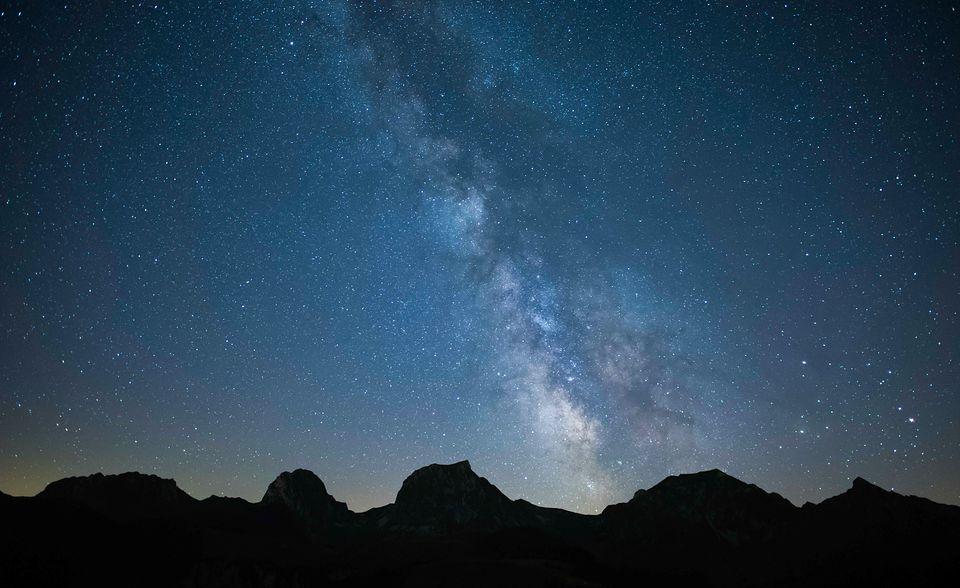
(584, 246)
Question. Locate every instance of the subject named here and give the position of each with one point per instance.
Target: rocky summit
(121, 496)
(706, 507)
(441, 498)
(304, 494)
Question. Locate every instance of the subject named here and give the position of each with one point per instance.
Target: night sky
(584, 246)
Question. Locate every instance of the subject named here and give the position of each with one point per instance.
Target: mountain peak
(459, 468)
(438, 481)
(462, 467)
(862, 492)
(861, 485)
(439, 496)
(706, 506)
(711, 476)
(304, 493)
(126, 495)
(299, 478)
(706, 476)
(713, 482)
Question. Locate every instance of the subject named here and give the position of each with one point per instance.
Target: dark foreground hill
(449, 526)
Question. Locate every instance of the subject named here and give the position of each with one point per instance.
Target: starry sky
(583, 245)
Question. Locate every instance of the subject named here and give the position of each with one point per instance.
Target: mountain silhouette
(706, 508)
(449, 525)
(123, 496)
(449, 498)
(305, 495)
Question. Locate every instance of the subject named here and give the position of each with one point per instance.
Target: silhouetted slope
(445, 498)
(871, 508)
(557, 520)
(237, 516)
(868, 535)
(705, 508)
(131, 495)
(63, 542)
(867, 514)
(305, 495)
(451, 526)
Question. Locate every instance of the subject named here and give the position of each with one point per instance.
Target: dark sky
(584, 245)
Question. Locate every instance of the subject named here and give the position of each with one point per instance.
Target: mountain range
(449, 526)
